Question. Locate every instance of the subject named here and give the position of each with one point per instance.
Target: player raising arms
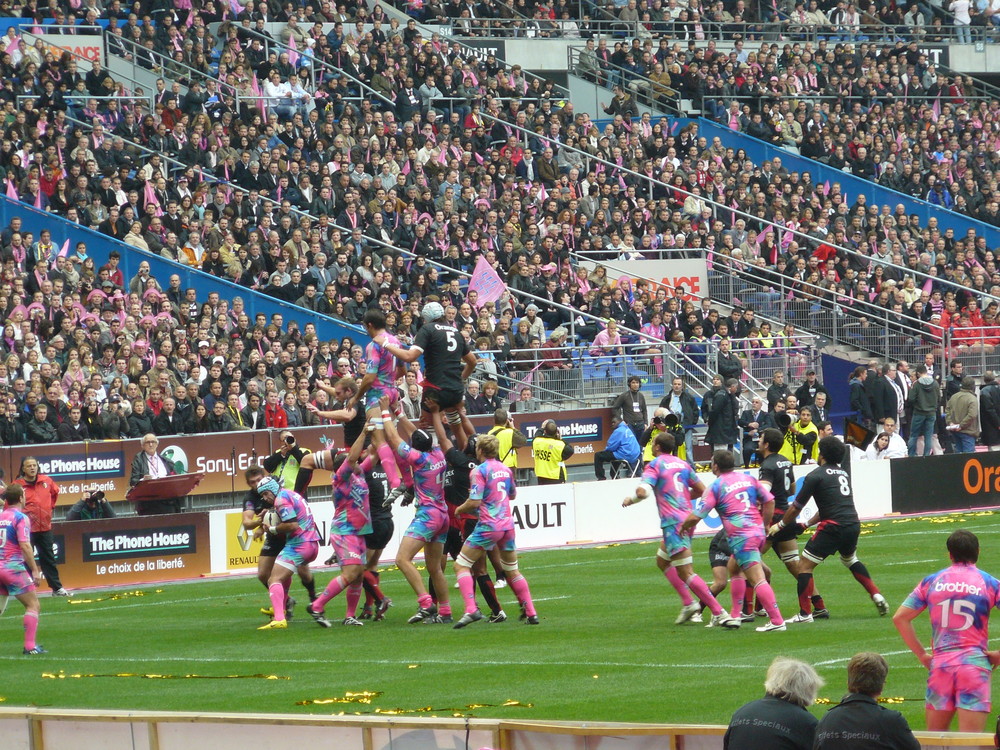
(351, 520)
(959, 599)
(448, 361)
(838, 529)
(492, 489)
(253, 511)
(457, 484)
(17, 558)
(429, 528)
(776, 475)
(378, 383)
(301, 543)
(745, 508)
(376, 603)
(674, 484)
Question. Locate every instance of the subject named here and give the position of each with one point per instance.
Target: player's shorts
(349, 548)
(468, 526)
(674, 540)
(273, 544)
(381, 533)
(719, 551)
(443, 397)
(965, 686)
(430, 525)
(746, 549)
(830, 538)
(453, 544)
(791, 532)
(486, 539)
(375, 394)
(15, 581)
(294, 555)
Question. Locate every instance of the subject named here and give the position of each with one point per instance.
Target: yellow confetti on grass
(881, 699)
(115, 597)
(365, 697)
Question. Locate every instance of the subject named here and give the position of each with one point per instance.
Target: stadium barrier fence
(37, 729)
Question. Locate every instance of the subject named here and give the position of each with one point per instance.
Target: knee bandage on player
(681, 561)
(849, 561)
(663, 555)
(464, 561)
(508, 566)
(454, 418)
(789, 557)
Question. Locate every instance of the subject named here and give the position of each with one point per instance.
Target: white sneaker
(760, 612)
(725, 621)
(687, 612)
(772, 628)
(881, 604)
(800, 618)
(696, 617)
(501, 584)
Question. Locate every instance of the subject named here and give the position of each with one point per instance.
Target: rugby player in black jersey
(838, 526)
(777, 475)
(253, 511)
(461, 458)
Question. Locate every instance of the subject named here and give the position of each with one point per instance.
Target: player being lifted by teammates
(301, 543)
(492, 488)
(351, 521)
(745, 507)
(457, 484)
(253, 511)
(838, 529)
(674, 484)
(959, 599)
(776, 475)
(378, 383)
(19, 573)
(429, 528)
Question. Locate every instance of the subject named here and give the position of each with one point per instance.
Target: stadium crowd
(305, 199)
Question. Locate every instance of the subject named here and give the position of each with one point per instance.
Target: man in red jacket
(40, 496)
(274, 412)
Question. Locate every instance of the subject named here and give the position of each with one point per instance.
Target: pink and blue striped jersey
(493, 484)
(15, 527)
(351, 513)
(428, 474)
(959, 598)
(671, 479)
(737, 498)
(382, 363)
(291, 506)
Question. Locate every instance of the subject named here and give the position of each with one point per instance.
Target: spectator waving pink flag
(151, 198)
(293, 51)
(12, 191)
(486, 282)
(64, 250)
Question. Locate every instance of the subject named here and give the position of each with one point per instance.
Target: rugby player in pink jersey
(959, 600)
(745, 507)
(674, 484)
(19, 574)
(492, 488)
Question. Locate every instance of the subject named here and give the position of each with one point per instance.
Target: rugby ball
(271, 519)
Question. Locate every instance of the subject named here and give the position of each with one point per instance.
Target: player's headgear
(269, 485)
(431, 312)
(421, 441)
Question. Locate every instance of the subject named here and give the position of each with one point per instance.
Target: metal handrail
(573, 59)
(77, 56)
(193, 73)
(801, 236)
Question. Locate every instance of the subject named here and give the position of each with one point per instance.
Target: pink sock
(468, 588)
(739, 590)
(353, 597)
(704, 593)
(425, 601)
(766, 595)
(675, 580)
(445, 609)
(277, 592)
(333, 588)
(30, 629)
(388, 459)
(520, 588)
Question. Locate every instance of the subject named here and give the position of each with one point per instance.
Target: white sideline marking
(550, 598)
(909, 562)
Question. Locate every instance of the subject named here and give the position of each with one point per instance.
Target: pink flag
(486, 282)
(293, 54)
(928, 286)
(64, 250)
(762, 235)
(826, 188)
(151, 198)
(936, 109)
(12, 46)
(38, 199)
(12, 191)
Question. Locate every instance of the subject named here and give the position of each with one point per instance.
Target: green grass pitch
(607, 648)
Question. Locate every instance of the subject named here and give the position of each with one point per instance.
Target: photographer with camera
(91, 507)
(681, 403)
(663, 421)
(285, 465)
(550, 452)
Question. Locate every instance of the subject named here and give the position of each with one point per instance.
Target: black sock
(489, 593)
(430, 589)
(310, 587)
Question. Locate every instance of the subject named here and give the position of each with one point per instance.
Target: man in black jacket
(681, 403)
(805, 394)
(753, 421)
(778, 390)
(858, 722)
(989, 411)
(723, 433)
(631, 406)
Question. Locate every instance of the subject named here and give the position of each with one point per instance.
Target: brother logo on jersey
(960, 587)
